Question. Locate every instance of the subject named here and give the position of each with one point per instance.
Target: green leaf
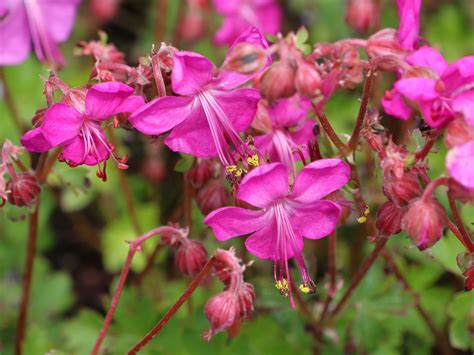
(185, 163)
(460, 309)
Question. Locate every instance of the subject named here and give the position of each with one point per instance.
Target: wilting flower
(285, 126)
(76, 124)
(409, 13)
(240, 14)
(43, 23)
(285, 214)
(209, 111)
(441, 90)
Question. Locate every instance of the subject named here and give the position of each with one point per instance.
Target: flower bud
(307, 80)
(402, 191)
(191, 256)
(103, 10)
(384, 42)
(362, 15)
(389, 219)
(246, 296)
(245, 58)
(23, 190)
(212, 196)
(201, 172)
(154, 170)
(278, 82)
(393, 163)
(191, 26)
(222, 311)
(457, 133)
(424, 222)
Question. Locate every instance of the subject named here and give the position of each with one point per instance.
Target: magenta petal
(162, 114)
(34, 141)
(74, 152)
(428, 57)
(264, 243)
(264, 185)
(15, 41)
(193, 136)
(226, 6)
(458, 75)
(289, 112)
(131, 104)
(229, 222)
(460, 162)
(230, 80)
(316, 220)
(61, 123)
(464, 104)
(409, 13)
(303, 134)
(395, 106)
(417, 89)
(102, 100)
(239, 105)
(59, 16)
(191, 72)
(319, 179)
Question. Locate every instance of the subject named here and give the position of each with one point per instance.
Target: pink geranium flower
(43, 23)
(443, 91)
(408, 31)
(284, 214)
(76, 124)
(209, 111)
(240, 14)
(285, 125)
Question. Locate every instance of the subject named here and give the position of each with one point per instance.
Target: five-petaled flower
(76, 124)
(285, 214)
(45, 23)
(210, 111)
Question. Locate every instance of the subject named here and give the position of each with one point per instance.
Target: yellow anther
(231, 168)
(367, 211)
(282, 287)
(238, 173)
(305, 289)
(362, 219)
(253, 160)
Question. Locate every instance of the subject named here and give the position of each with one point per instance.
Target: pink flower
(209, 111)
(76, 125)
(409, 13)
(285, 214)
(443, 91)
(241, 14)
(45, 23)
(285, 126)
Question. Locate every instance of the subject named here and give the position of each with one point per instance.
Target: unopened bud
(389, 219)
(385, 42)
(458, 132)
(222, 311)
(245, 58)
(424, 222)
(278, 81)
(307, 80)
(23, 190)
(362, 15)
(191, 257)
(191, 26)
(201, 172)
(212, 196)
(402, 191)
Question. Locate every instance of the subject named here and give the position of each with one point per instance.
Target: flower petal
(429, 58)
(229, 80)
(34, 141)
(316, 220)
(59, 16)
(264, 185)
(394, 105)
(103, 100)
(459, 163)
(162, 114)
(458, 75)
(15, 42)
(74, 151)
(61, 123)
(417, 89)
(319, 179)
(131, 104)
(289, 112)
(239, 105)
(409, 13)
(191, 72)
(464, 103)
(229, 222)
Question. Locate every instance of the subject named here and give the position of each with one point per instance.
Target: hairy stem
(421, 154)
(135, 246)
(458, 221)
(354, 140)
(343, 149)
(466, 241)
(171, 312)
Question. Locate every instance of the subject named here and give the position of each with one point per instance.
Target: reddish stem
(354, 141)
(160, 83)
(343, 149)
(466, 240)
(420, 155)
(135, 246)
(171, 312)
(433, 185)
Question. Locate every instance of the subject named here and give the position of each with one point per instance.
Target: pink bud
(103, 10)
(154, 170)
(278, 81)
(424, 222)
(191, 256)
(23, 190)
(385, 42)
(212, 196)
(389, 219)
(191, 26)
(201, 171)
(458, 132)
(307, 80)
(246, 296)
(402, 191)
(362, 15)
(222, 311)
(245, 58)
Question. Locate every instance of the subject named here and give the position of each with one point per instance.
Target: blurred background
(85, 222)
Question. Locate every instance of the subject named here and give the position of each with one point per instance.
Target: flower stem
(343, 149)
(438, 337)
(135, 246)
(464, 241)
(421, 154)
(354, 140)
(26, 286)
(332, 247)
(458, 221)
(369, 261)
(168, 315)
